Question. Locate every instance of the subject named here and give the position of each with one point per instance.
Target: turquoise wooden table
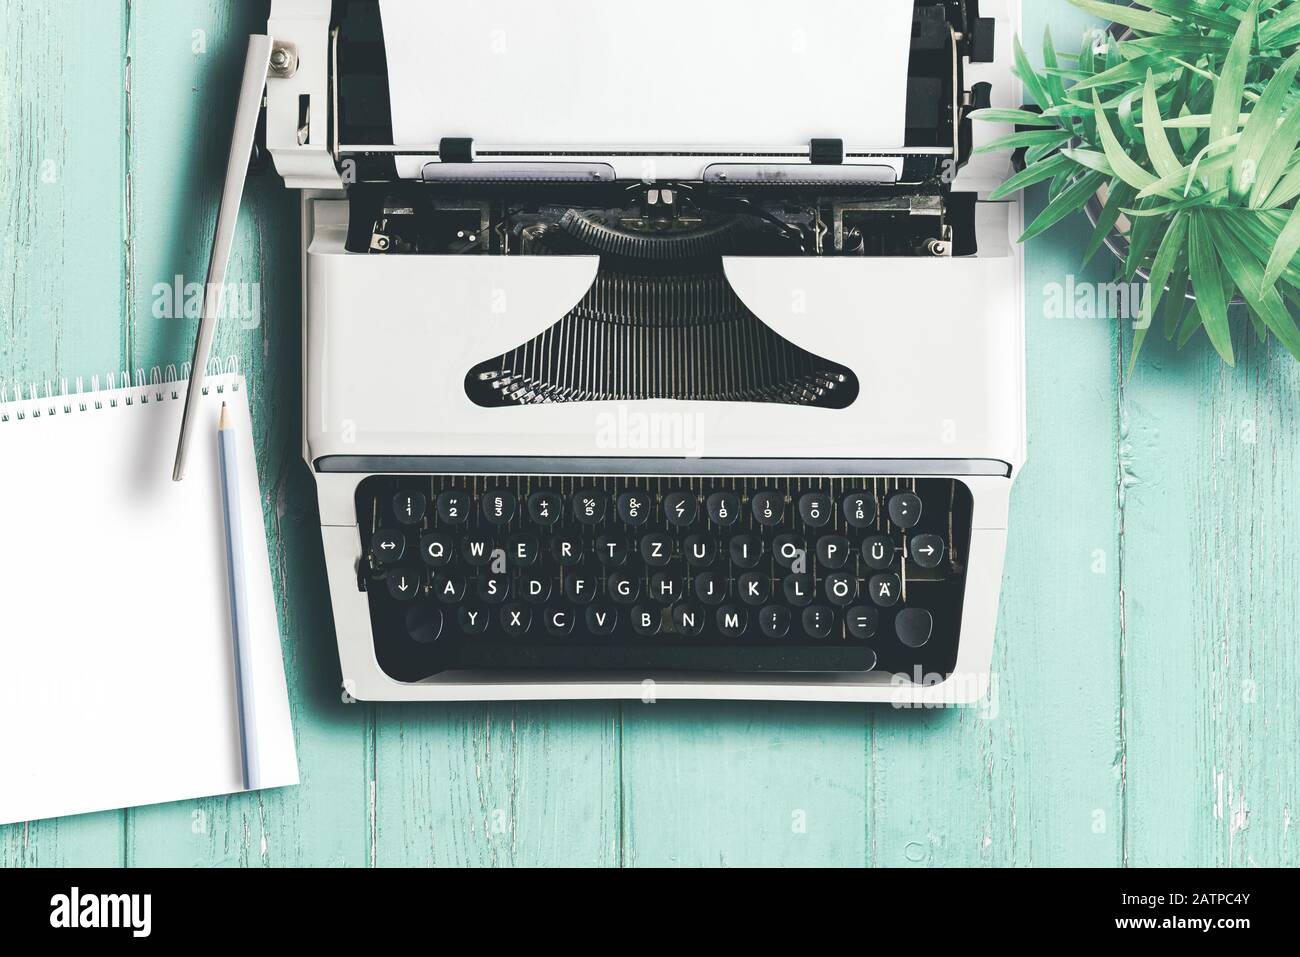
(1145, 706)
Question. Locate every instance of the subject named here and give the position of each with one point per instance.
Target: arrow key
(403, 583)
(927, 550)
(388, 546)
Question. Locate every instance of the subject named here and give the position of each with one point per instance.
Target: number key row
(634, 507)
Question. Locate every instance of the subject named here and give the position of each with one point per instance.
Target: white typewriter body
(936, 341)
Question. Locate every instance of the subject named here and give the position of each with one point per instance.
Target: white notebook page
(115, 640)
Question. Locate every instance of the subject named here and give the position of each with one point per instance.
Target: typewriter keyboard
(762, 574)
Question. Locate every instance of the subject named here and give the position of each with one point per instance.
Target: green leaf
(1052, 80)
(1135, 17)
(1207, 280)
(1262, 127)
(1167, 257)
(1121, 194)
(1027, 138)
(1032, 82)
(1196, 121)
(1195, 202)
(1273, 166)
(1142, 236)
(1192, 324)
(1070, 200)
(1262, 299)
(1259, 232)
(1030, 176)
(1287, 191)
(1128, 72)
(1226, 110)
(1284, 253)
(1124, 167)
(1036, 154)
(1280, 26)
(1189, 136)
(1184, 46)
(1090, 159)
(1153, 132)
(1176, 298)
(1181, 182)
(1195, 13)
(1019, 117)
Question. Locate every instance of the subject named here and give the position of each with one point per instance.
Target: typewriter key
(408, 506)
(746, 551)
(516, 620)
(833, 551)
(559, 621)
(841, 588)
(387, 546)
(472, 621)
(884, 590)
(905, 510)
(878, 552)
(404, 583)
(914, 626)
(544, 508)
(680, 508)
(499, 507)
(656, 549)
(424, 623)
(699, 550)
(768, 507)
(927, 550)
(449, 589)
(710, 587)
(774, 621)
(818, 621)
(862, 622)
(732, 621)
(589, 506)
(437, 549)
(859, 509)
(753, 588)
(723, 508)
(815, 509)
(688, 619)
(453, 507)
(798, 589)
(647, 620)
(634, 507)
(601, 620)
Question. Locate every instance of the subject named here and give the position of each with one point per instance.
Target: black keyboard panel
(633, 573)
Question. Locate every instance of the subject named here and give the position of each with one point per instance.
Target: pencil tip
(225, 418)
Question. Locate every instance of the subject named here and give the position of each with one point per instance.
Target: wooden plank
(61, 121)
(1211, 534)
(1032, 777)
(468, 785)
(187, 58)
(720, 783)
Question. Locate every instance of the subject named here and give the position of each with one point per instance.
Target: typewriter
(653, 351)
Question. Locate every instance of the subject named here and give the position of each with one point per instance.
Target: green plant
(1191, 123)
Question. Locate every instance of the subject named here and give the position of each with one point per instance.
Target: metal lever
(256, 67)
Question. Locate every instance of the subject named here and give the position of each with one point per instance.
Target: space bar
(775, 658)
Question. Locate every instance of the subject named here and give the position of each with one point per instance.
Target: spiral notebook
(115, 641)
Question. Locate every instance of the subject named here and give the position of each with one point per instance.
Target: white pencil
(239, 626)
